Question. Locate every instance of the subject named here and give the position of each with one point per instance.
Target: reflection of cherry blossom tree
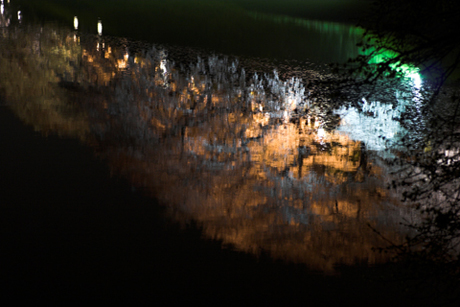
(237, 154)
(30, 81)
(239, 160)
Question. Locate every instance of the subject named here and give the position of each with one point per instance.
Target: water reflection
(375, 125)
(238, 154)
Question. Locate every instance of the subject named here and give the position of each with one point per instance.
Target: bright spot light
(321, 133)
(407, 70)
(75, 23)
(19, 15)
(163, 67)
(123, 63)
(99, 27)
(416, 79)
(2, 9)
(412, 73)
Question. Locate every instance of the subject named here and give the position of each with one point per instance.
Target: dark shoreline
(72, 234)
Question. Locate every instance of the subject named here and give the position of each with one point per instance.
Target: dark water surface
(73, 234)
(221, 146)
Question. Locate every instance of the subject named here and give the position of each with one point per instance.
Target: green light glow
(318, 25)
(407, 70)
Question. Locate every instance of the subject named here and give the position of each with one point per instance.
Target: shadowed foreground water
(73, 234)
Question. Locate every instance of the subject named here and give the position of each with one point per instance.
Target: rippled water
(236, 144)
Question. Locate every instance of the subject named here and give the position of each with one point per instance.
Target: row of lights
(75, 20)
(6, 22)
(2, 10)
(99, 25)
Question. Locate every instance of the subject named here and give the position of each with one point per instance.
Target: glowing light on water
(321, 133)
(411, 72)
(320, 26)
(164, 70)
(75, 23)
(416, 79)
(123, 63)
(99, 27)
(163, 67)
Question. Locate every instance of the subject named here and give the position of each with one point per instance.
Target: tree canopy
(421, 35)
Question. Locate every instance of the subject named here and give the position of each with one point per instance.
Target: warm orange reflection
(211, 144)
